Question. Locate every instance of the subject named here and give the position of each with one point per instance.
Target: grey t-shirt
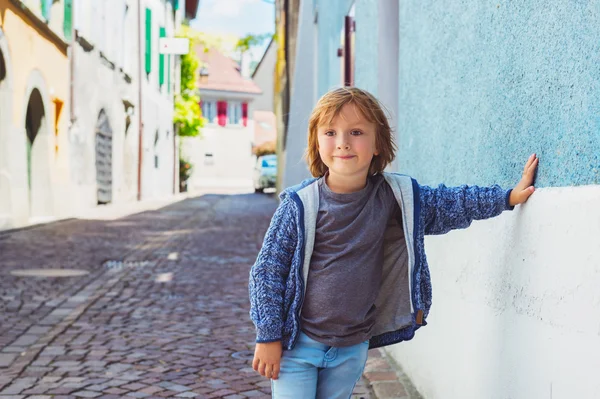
(345, 268)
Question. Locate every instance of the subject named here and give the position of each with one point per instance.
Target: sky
(237, 17)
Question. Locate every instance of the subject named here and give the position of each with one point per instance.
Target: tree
(247, 42)
(250, 40)
(188, 116)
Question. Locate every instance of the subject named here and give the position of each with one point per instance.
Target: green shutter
(68, 21)
(148, 40)
(176, 4)
(161, 60)
(45, 5)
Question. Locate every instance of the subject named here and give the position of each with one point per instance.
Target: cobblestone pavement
(162, 312)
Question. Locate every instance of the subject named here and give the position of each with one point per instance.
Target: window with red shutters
(245, 114)
(222, 112)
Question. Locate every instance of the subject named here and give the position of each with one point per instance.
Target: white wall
(264, 77)
(157, 110)
(516, 303)
(232, 162)
(99, 87)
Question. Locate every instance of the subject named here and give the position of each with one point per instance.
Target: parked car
(265, 172)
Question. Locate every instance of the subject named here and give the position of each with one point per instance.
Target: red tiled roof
(222, 73)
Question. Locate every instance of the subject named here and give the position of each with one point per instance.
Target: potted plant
(185, 171)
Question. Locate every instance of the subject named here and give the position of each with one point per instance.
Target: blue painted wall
(330, 23)
(485, 84)
(366, 42)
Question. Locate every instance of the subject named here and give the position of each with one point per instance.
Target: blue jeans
(314, 370)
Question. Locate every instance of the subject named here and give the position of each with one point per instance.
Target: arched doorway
(104, 159)
(37, 152)
(2, 67)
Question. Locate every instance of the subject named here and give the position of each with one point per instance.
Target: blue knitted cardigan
(277, 281)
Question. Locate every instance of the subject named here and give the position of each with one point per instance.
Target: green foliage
(250, 40)
(189, 66)
(265, 149)
(185, 171)
(187, 114)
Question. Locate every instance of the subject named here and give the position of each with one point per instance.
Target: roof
(264, 55)
(223, 74)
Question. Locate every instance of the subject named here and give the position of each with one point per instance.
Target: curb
(386, 379)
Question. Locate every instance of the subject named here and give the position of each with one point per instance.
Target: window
(269, 163)
(235, 112)
(209, 110)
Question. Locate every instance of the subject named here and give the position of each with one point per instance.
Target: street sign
(174, 45)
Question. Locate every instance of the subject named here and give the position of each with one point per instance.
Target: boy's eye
(329, 133)
(356, 132)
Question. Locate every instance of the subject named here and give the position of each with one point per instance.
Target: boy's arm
(270, 271)
(447, 208)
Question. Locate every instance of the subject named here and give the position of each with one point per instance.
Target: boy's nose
(343, 144)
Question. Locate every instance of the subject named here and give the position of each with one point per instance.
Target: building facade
(222, 154)
(34, 111)
(265, 122)
(86, 105)
(472, 90)
(159, 83)
(105, 122)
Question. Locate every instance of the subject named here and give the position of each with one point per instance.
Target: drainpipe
(72, 66)
(141, 77)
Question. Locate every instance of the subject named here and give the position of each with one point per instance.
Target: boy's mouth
(344, 156)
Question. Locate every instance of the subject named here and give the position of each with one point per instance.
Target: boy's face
(347, 145)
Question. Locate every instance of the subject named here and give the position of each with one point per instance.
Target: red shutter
(201, 103)
(222, 112)
(245, 114)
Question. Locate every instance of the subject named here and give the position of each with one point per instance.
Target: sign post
(174, 45)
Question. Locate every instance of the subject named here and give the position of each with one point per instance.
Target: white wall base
(516, 305)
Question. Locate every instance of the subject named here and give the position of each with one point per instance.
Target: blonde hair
(329, 106)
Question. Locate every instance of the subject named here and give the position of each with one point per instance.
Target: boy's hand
(525, 188)
(267, 358)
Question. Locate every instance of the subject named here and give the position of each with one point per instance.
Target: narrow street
(161, 311)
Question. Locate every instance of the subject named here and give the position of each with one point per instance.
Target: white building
(104, 124)
(516, 305)
(265, 124)
(222, 154)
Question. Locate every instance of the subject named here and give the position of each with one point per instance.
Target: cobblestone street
(161, 312)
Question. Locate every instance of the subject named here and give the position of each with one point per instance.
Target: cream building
(34, 111)
(84, 91)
